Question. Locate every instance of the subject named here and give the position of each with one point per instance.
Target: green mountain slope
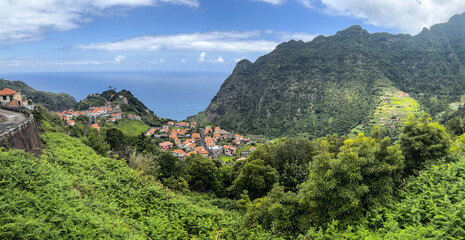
(132, 106)
(332, 84)
(52, 101)
(73, 193)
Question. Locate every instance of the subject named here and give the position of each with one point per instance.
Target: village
(111, 111)
(186, 139)
(182, 138)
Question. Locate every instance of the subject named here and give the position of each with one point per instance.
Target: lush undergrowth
(431, 206)
(71, 192)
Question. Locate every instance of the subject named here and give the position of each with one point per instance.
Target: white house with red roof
(12, 98)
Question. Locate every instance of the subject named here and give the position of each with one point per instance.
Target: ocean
(174, 95)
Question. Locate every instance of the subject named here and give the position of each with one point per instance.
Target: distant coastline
(174, 95)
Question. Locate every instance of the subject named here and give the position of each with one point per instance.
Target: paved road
(12, 118)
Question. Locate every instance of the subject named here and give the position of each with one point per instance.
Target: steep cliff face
(23, 136)
(331, 84)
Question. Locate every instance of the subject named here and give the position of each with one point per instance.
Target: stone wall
(23, 136)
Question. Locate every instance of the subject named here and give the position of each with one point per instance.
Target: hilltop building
(13, 98)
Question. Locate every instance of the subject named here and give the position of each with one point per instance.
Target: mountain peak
(242, 65)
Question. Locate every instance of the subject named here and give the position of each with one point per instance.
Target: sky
(186, 35)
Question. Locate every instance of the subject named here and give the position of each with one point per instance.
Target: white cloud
(274, 2)
(228, 41)
(183, 60)
(220, 60)
(286, 36)
(202, 57)
(27, 20)
(118, 59)
(306, 3)
(406, 15)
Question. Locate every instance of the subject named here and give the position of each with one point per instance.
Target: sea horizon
(170, 94)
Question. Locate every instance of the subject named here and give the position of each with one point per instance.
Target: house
(171, 123)
(96, 126)
(210, 144)
(179, 153)
(151, 131)
(204, 153)
(7, 95)
(193, 124)
(252, 149)
(70, 122)
(183, 124)
(124, 100)
(236, 142)
(199, 148)
(130, 116)
(173, 136)
(116, 115)
(111, 119)
(237, 136)
(196, 136)
(191, 146)
(217, 150)
(137, 117)
(165, 145)
(228, 150)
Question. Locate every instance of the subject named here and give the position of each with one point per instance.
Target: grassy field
(129, 126)
(227, 159)
(392, 111)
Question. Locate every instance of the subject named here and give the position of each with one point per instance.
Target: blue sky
(186, 35)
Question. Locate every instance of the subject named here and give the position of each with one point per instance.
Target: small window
(4, 98)
(11, 98)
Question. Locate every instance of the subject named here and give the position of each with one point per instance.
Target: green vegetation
(93, 100)
(129, 127)
(133, 106)
(227, 159)
(332, 84)
(52, 101)
(70, 192)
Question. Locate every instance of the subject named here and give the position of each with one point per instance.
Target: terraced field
(393, 110)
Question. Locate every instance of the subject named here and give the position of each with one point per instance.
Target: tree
(278, 211)
(363, 175)
(202, 174)
(116, 139)
(290, 158)
(167, 165)
(423, 141)
(256, 178)
(96, 141)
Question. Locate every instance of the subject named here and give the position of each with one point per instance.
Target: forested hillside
(52, 101)
(332, 84)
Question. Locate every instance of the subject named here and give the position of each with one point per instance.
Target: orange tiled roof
(200, 148)
(13, 103)
(181, 152)
(167, 143)
(7, 91)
